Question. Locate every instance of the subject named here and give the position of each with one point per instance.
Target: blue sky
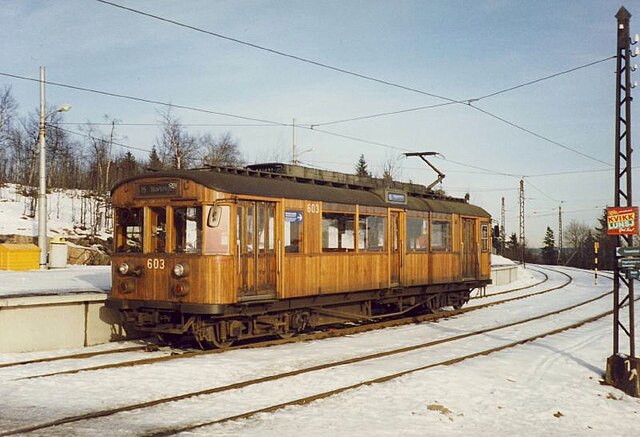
(457, 49)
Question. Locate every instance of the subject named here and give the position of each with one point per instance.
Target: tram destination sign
(622, 220)
(159, 189)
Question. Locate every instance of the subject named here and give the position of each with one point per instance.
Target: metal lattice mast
(622, 196)
(503, 232)
(522, 221)
(560, 234)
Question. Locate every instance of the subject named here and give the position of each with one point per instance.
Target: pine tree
(606, 253)
(549, 252)
(154, 160)
(361, 168)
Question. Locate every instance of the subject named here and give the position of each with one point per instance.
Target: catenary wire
(359, 75)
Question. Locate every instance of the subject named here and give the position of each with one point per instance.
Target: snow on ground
(497, 260)
(547, 387)
(69, 213)
(73, 279)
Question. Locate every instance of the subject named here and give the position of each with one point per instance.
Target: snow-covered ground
(547, 387)
(73, 279)
(69, 213)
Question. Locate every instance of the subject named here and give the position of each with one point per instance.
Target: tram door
(256, 250)
(469, 249)
(396, 248)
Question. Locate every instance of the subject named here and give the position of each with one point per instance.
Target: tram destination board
(168, 188)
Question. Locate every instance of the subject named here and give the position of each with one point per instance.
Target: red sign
(622, 220)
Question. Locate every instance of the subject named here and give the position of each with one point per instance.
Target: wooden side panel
(416, 268)
(445, 267)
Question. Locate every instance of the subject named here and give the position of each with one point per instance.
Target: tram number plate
(155, 264)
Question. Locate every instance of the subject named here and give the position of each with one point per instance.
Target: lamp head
(64, 108)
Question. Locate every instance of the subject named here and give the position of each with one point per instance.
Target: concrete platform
(47, 322)
(501, 275)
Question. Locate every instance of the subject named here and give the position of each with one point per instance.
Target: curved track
(174, 354)
(333, 365)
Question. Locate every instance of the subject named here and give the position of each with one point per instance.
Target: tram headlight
(123, 268)
(181, 270)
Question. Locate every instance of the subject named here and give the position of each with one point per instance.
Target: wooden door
(395, 248)
(256, 250)
(469, 249)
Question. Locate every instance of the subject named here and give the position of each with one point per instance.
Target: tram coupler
(623, 373)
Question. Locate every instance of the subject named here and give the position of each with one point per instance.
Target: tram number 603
(313, 208)
(155, 263)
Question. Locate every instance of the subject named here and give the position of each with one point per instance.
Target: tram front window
(129, 230)
(187, 224)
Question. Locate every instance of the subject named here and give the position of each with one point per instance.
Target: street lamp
(42, 197)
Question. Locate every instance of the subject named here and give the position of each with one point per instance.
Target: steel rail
(242, 384)
(320, 335)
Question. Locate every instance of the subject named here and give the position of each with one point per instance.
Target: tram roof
(346, 190)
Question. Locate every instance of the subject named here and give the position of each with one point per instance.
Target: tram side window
(485, 237)
(417, 234)
(372, 233)
(216, 236)
(293, 231)
(129, 230)
(441, 236)
(188, 229)
(158, 230)
(337, 232)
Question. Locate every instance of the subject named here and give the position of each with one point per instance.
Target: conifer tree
(549, 252)
(361, 168)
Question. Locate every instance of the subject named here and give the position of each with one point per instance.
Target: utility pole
(42, 195)
(622, 370)
(522, 222)
(503, 236)
(294, 158)
(560, 234)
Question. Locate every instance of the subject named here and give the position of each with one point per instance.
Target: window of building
(187, 222)
(417, 234)
(129, 230)
(216, 233)
(293, 231)
(372, 231)
(441, 235)
(337, 232)
(158, 223)
(485, 237)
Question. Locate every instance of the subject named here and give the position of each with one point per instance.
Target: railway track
(174, 354)
(318, 368)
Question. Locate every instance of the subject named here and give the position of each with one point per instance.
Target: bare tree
(220, 151)
(576, 233)
(178, 149)
(390, 168)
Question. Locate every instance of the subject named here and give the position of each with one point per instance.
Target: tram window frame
(182, 217)
(368, 223)
(158, 223)
(124, 232)
(418, 242)
(217, 233)
(345, 224)
(440, 235)
(484, 233)
(293, 230)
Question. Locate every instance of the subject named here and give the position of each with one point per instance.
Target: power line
(471, 100)
(144, 100)
(275, 52)
(510, 123)
(90, 123)
(99, 139)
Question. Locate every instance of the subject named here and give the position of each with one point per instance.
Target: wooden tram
(225, 254)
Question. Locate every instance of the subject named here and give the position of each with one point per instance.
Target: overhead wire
(366, 77)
